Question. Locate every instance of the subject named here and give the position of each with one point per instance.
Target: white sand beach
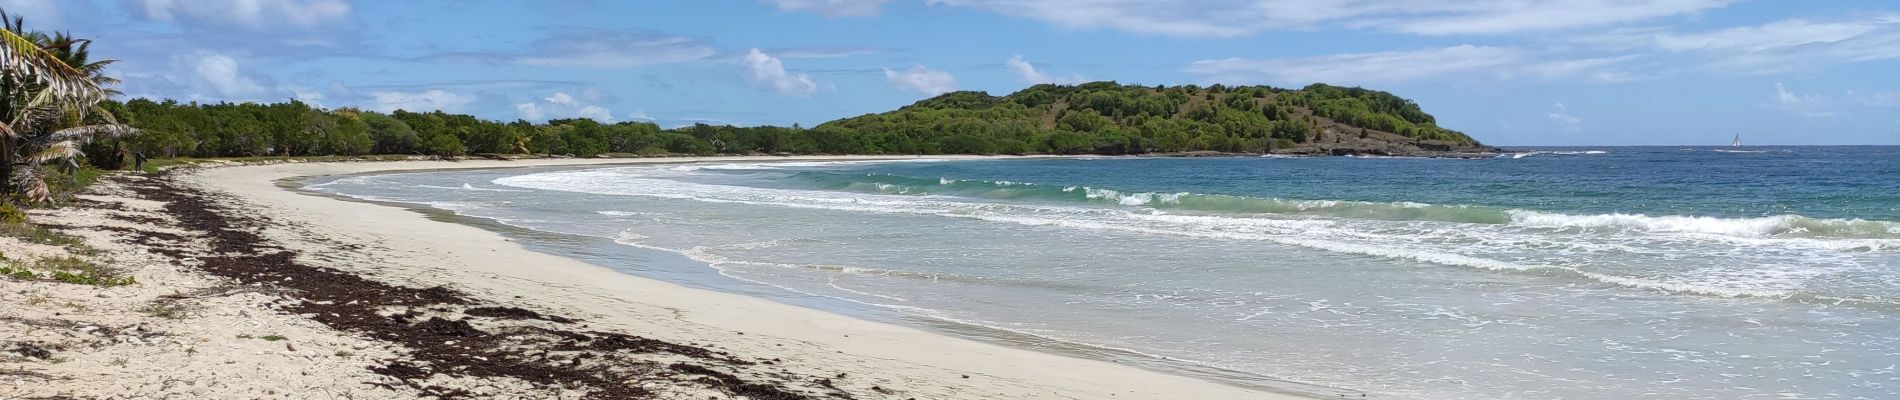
(407, 248)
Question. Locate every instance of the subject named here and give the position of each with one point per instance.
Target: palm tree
(49, 96)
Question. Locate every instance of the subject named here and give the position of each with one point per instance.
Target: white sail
(1737, 142)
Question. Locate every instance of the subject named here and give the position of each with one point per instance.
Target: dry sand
(402, 247)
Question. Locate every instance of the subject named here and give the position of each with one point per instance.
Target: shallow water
(1604, 273)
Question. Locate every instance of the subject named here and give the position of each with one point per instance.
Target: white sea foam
(789, 164)
(1744, 227)
(1133, 199)
(627, 236)
(469, 187)
(1556, 153)
(466, 186)
(948, 181)
(1460, 245)
(346, 181)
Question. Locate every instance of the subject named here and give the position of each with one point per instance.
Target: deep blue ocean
(1816, 182)
(1554, 273)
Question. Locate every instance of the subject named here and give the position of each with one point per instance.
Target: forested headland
(62, 111)
(1092, 118)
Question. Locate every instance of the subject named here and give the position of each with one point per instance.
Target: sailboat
(1735, 146)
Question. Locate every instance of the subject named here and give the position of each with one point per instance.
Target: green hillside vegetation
(1109, 118)
(1094, 118)
(58, 109)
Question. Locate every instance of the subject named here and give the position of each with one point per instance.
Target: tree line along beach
(1068, 240)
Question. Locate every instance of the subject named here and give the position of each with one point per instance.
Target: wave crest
(1781, 225)
(1772, 226)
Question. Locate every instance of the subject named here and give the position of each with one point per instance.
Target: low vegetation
(1093, 118)
(36, 234)
(65, 269)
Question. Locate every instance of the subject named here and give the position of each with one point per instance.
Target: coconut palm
(49, 96)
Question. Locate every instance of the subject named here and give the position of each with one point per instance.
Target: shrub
(11, 215)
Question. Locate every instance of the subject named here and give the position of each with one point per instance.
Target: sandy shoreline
(868, 359)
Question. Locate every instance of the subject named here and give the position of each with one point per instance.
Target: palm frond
(58, 151)
(36, 188)
(90, 132)
(22, 57)
(102, 113)
(39, 105)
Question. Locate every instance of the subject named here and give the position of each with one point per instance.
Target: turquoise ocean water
(1572, 273)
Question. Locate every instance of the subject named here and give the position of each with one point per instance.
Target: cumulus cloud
(1561, 115)
(919, 78)
(422, 101)
(768, 72)
(216, 76)
(305, 94)
(1226, 18)
(607, 49)
(832, 8)
(1030, 74)
(1814, 106)
(248, 14)
(563, 105)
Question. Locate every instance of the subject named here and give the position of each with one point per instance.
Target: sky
(1508, 72)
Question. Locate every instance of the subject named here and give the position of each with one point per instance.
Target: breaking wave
(1770, 226)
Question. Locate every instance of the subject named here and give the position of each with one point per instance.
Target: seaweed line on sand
(505, 343)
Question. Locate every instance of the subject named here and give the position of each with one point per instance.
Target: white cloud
(640, 115)
(1029, 73)
(1226, 18)
(832, 8)
(922, 79)
(215, 75)
(1815, 106)
(1361, 68)
(826, 52)
(423, 101)
(529, 111)
(768, 72)
(1590, 69)
(1455, 62)
(1511, 16)
(1876, 99)
(563, 105)
(304, 94)
(1561, 115)
(1784, 45)
(614, 49)
(1185, 18)
(249, 14)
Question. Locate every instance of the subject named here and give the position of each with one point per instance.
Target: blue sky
(1509, 72)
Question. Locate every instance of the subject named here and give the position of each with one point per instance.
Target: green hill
(1094, 118)
(1110, 118)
